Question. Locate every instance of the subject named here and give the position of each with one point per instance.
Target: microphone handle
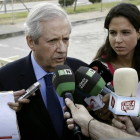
(105, 91)
(110, 86)
(76, 128)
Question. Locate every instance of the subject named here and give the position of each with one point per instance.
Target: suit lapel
(26, 79)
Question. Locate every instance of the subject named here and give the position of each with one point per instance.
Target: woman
(122, 46)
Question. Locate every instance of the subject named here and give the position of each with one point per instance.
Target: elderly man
(47, 31)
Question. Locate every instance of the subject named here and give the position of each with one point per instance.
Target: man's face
(51, 49)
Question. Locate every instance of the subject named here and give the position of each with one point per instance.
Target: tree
(66, 2)
(93, 1)
(75, 5)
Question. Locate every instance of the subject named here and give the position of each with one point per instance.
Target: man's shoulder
(72, 59)
(13, 66)
(75, 63)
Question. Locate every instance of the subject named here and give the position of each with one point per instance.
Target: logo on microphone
(90, 72)
(83, 83)
(64, 72)
(128, 105)
(92, 103)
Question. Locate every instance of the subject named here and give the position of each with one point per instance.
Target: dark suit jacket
(33, 119)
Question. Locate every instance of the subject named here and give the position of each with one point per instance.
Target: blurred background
(20, 8)
(87, 18)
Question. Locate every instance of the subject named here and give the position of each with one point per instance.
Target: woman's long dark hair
(132, 13)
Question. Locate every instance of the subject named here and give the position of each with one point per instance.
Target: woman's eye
(126, 32)
(112, 33)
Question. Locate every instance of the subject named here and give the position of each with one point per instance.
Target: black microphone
(104, 71)
(64, 83)
(90, 82)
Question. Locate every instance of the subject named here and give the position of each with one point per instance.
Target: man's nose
(62, 47)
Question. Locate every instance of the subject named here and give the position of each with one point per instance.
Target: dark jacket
(33, 119)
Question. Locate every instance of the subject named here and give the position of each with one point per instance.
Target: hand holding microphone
(64, 85)
(80, 115)
(125, 85)
(89, 83)
(21, 97)
(124, 102)
(18, 104)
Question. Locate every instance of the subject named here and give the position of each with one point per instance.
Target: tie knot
(48, 79)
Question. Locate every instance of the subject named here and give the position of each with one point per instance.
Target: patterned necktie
(53, 106)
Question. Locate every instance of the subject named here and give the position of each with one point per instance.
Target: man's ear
(30, 43)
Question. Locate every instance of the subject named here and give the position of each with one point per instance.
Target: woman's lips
(119, 48)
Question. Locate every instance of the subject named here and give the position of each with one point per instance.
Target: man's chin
(60, 63)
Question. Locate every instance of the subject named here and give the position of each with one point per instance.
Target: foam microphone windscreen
(63, 80)
(125, 82)
(103, 70)
(89, 81)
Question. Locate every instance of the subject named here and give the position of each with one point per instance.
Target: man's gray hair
(42, 12)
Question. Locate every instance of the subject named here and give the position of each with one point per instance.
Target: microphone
(124, 101)
(91, 85)
(64, 84)
(104, 71)
(90, 82)
(125, 82)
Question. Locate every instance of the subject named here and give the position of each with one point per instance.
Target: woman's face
(123, 36)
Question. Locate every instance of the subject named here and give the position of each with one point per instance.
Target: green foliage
(93, 1)
(6, 18)
(18, 1)
(66, 2)
(84, 8)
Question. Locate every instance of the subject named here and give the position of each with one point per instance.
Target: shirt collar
(39, 72)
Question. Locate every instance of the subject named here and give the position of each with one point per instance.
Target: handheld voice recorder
(30, 91)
